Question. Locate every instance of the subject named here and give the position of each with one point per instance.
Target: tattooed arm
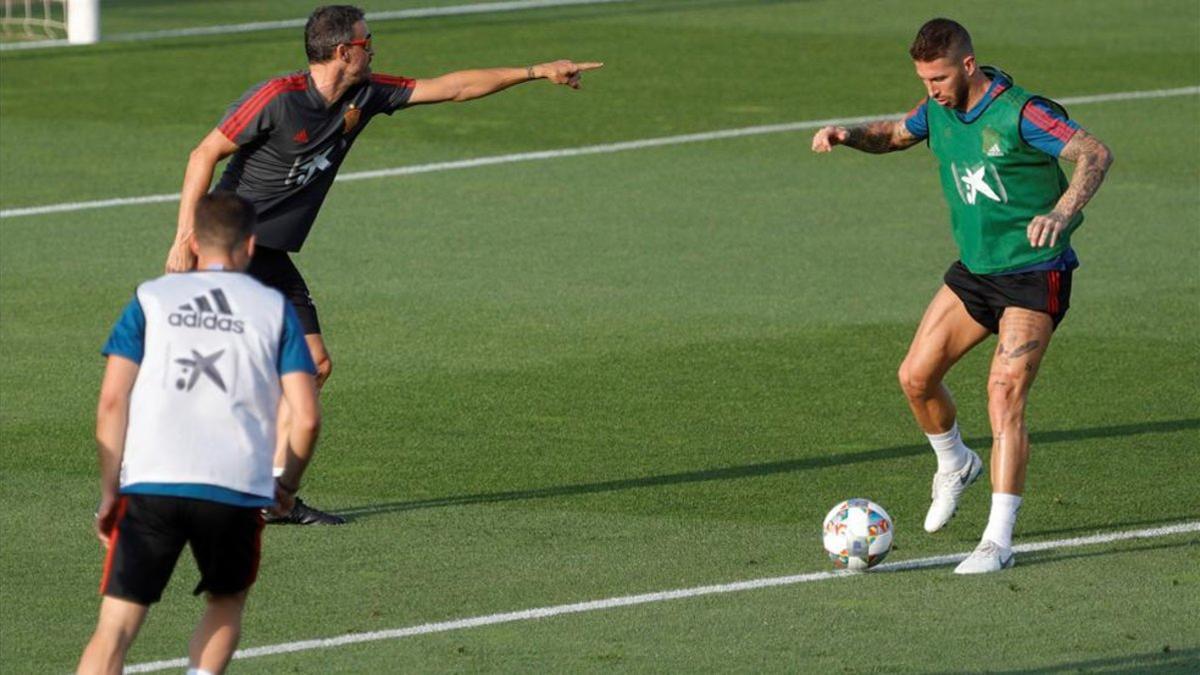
(1092, 159)
(875, 137)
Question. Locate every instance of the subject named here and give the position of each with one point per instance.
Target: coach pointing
(288, 136)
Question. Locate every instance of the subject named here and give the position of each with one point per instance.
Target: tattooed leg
(1024, 337)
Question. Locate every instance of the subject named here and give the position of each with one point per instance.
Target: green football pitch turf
(599, 376)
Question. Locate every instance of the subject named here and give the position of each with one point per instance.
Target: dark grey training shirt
(291, 145)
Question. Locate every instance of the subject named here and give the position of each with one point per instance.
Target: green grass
(582, 378)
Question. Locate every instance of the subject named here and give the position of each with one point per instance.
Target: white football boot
(988, 556)
(947, 488)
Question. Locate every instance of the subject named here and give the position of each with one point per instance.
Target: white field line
(229, 29)
(584, 150)
(661, 596)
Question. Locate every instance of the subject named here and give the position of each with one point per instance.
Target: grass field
(590, 377)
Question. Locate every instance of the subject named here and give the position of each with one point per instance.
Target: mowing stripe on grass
(584, 150)
(661, 596)
(230, 29)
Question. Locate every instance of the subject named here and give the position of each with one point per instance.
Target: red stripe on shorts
(112, 543)
(1052, 284)
(257, 551)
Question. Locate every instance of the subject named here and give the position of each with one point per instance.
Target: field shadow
(1097, 527)
(1028, 559)
(1164, 660)
(724, 473)
(1051, 556)
(752, 470)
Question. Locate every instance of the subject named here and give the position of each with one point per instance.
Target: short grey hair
(327, 28)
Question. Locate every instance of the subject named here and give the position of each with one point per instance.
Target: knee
(111, 641)
(227, 608)
(915, 382)
(1006, 396)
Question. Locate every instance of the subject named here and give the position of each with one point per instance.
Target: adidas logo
(995, 151)
(200, 314)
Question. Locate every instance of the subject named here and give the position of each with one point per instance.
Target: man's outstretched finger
(589, 65)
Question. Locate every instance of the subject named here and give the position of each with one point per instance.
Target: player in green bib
(1012, 214)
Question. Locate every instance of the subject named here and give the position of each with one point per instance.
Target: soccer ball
(858, 534)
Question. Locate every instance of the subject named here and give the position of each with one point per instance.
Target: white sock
(277, 471)
(1002, 518)
(950, 450)
(198, 671)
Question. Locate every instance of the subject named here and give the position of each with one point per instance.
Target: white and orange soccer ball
(858, 534)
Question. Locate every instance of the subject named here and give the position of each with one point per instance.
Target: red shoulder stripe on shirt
(236, 122)
(254, 105)
(392, 81)
(1044, 121)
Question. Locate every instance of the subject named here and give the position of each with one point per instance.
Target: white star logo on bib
(981, 180)
(976, 184)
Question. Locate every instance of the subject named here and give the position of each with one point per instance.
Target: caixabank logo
(979, 180)
(200, 313)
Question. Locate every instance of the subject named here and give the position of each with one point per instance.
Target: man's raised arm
(196, 180)
(875, 137)
(465, 85)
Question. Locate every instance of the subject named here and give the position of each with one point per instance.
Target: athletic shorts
(987, 295)
(150, 533)
(274, 268)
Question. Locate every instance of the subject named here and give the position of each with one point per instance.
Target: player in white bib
(185, 431)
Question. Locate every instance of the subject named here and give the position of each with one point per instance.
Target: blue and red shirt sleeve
(128, 336)
(392, 91)
(253, 115)
(1045, 127)
(917, 120)
(293, 349)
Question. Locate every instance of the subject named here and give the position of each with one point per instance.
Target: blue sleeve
(128, 336)
(1046, 128)
(293, 349)
(917, 120)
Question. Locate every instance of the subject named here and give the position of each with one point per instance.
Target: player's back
(204, 404)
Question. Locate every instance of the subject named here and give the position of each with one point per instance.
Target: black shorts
(274, 268)
(987, 295)
(150, 533)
